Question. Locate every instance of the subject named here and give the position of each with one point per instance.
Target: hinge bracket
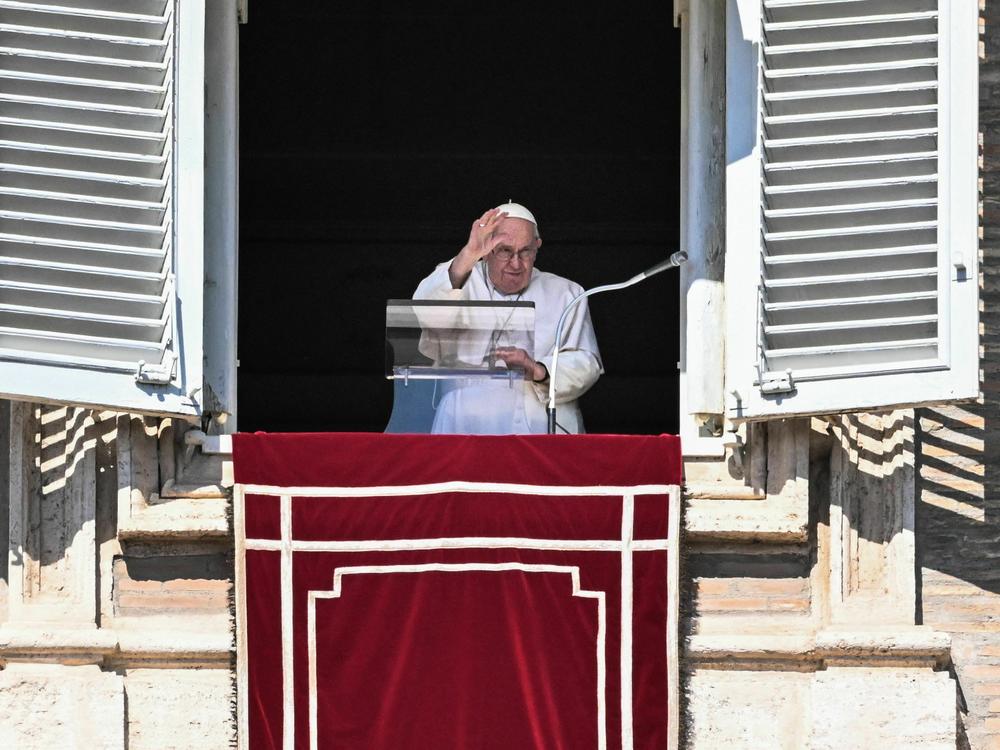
(161, 374)
(777, 382)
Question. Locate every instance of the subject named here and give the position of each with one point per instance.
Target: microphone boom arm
(673, 261)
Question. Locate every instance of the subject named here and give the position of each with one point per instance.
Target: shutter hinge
(157, 374)
(776, 382)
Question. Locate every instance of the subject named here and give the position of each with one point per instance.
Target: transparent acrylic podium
(441, 357)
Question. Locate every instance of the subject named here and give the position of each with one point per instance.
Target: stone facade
(958, 508)
(842, 586)
(115, 627)
(861, 611)
(805, 635)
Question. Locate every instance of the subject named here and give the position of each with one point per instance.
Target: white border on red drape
(627, 545)
(572, 570)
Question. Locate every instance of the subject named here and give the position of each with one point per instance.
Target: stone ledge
(180, 518)
(917, 645)
(97, 646)
(918, 640)
(771, 519)
(177, 490)
(165, 643)
(198, 528)
(720, 491)
(70, 646)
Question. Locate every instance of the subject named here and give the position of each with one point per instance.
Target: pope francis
(498, 264)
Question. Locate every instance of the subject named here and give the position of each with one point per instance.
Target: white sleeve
(438, 286)
(578, 371)
(579, 359)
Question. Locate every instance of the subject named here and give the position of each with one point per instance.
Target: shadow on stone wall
(958, 552)
(4, 501)
(54, 535)
(958, 481)
(958, 513)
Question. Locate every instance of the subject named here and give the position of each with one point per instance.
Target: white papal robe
(474, 408)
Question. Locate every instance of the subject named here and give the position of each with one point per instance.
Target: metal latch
(156, 374)
(734, 442)
(777, 382)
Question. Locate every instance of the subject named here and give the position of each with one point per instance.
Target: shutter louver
(850, 123)
(864, 166)
(87, 188)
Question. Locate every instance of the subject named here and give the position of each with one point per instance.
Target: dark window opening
(373, 133)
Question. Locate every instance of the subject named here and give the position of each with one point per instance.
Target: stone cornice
(107, 646)
(876, 647)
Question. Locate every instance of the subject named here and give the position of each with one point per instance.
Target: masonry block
(175, 709)
(47, 706)
(856, 708)
(747, 709)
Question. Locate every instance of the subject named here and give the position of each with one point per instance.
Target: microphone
(673, 261)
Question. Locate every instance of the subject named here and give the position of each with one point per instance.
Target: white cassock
(474, 408)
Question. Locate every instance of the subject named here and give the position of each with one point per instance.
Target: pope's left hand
(515, 357)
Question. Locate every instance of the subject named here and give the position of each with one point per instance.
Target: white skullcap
(517, 211)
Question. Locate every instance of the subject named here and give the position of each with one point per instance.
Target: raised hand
(481, 240)
(481, 243)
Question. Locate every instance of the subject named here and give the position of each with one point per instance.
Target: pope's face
(510, 264)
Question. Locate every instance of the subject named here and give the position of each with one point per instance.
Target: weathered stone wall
(178, 579)
(958, 506)
(4, 501)
(804, 635)
(958, 545)
(115, 626)
(750, 579)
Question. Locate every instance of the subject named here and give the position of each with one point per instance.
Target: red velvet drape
(481, 615)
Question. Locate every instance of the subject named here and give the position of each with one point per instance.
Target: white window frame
(955, 376)
(701, 303)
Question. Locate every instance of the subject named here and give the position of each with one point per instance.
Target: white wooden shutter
(852, 228)
(101, 172)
